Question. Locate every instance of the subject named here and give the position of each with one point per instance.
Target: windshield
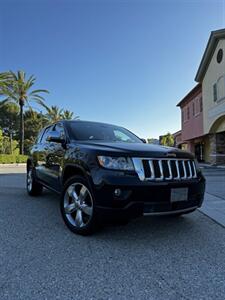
(88, 131)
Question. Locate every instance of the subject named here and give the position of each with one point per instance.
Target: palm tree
(4, 79)
(69, 115)
(54, 113)
(17, 89)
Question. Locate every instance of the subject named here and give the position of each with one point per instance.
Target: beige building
(211, 74)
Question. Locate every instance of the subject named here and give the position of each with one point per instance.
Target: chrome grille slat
(190, 170)
(138, 166)
(161, 170)
(183, 169)
(152, 169)
(194, 167)
(185, 172)
(170, 170)
(178, 171)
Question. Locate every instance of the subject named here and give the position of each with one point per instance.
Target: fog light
(117, 192)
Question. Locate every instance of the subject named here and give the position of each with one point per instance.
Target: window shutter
(220, 88)
(200, 102)
(215, 92)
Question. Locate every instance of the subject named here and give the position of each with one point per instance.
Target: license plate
(179, 194)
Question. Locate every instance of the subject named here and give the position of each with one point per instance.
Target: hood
(135, 149)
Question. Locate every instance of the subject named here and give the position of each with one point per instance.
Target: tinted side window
(59, 128)
(38, 139)
(44, 136)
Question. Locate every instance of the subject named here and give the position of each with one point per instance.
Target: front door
(54, 159)
(199, 152)
(41, 152)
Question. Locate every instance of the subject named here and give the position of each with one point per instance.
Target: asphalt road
(150, 258)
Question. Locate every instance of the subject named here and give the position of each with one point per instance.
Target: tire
(78, 206)
(33, 187)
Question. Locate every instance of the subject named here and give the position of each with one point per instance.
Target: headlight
(116, 163)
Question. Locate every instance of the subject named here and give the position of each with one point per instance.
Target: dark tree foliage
(19, 121)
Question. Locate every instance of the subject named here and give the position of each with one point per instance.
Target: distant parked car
(104, 172)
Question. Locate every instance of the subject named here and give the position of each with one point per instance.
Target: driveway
(150, 258)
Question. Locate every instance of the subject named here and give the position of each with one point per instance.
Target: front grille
(164, 169)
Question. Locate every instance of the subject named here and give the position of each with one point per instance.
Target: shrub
(10, 159)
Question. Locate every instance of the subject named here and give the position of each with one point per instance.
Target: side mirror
(54, 136)
(143, 140)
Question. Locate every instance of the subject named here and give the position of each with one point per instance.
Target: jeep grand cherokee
(105, 172)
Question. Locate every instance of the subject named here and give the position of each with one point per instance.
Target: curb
(13, 165)
(214, 208)
(211, 166)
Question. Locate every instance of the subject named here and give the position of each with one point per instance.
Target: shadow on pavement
(45, 210)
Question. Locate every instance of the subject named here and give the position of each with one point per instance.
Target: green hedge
(10, 159)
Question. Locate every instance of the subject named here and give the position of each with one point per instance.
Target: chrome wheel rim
(78, 205)
(29, 180)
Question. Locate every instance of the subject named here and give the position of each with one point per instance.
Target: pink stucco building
(192, 122)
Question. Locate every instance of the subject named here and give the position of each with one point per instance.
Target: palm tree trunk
(21, 103)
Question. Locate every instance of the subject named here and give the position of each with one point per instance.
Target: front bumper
(139, 198)
(178, 211)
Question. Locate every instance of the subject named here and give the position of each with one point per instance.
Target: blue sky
(121, 62)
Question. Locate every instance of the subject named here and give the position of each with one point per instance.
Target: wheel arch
(72, 170)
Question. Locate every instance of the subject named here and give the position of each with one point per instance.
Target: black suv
(104, 172)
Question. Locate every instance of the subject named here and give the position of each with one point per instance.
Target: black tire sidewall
(36, 187)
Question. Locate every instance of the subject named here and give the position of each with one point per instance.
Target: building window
(182, 115)
(214, 92)
(219, 56)
(200, 104)
(188, 113)
(193, 108)
(220, 88)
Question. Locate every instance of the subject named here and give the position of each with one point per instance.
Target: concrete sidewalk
(12, 168)
(214, 208)
(214, 204)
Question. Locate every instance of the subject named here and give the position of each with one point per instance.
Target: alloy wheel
(29, 180)
(78, 205)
